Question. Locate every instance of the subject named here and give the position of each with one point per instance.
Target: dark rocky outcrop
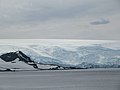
(11, 56)
(8, 57)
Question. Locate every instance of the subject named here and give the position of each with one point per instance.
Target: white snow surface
(17, 65)
(67, 53)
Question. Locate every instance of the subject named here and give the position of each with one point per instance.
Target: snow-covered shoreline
(69, 54)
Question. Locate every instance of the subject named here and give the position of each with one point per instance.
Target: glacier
(93, 55)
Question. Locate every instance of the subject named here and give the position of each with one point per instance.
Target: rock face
(8, 57)
(11, 56)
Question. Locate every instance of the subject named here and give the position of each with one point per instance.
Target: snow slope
(16, 65)
(83, 56)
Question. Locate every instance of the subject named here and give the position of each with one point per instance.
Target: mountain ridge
(93, 56)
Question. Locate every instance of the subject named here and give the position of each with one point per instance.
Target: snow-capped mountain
(73, 55)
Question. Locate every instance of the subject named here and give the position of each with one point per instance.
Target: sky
(60, 19)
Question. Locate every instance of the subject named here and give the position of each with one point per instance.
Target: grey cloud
(21, 11)
(101, 21)
(56, 18)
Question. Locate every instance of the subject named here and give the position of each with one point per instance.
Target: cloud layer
(69, 19)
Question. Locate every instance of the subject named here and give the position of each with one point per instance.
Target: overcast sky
(60, 19)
